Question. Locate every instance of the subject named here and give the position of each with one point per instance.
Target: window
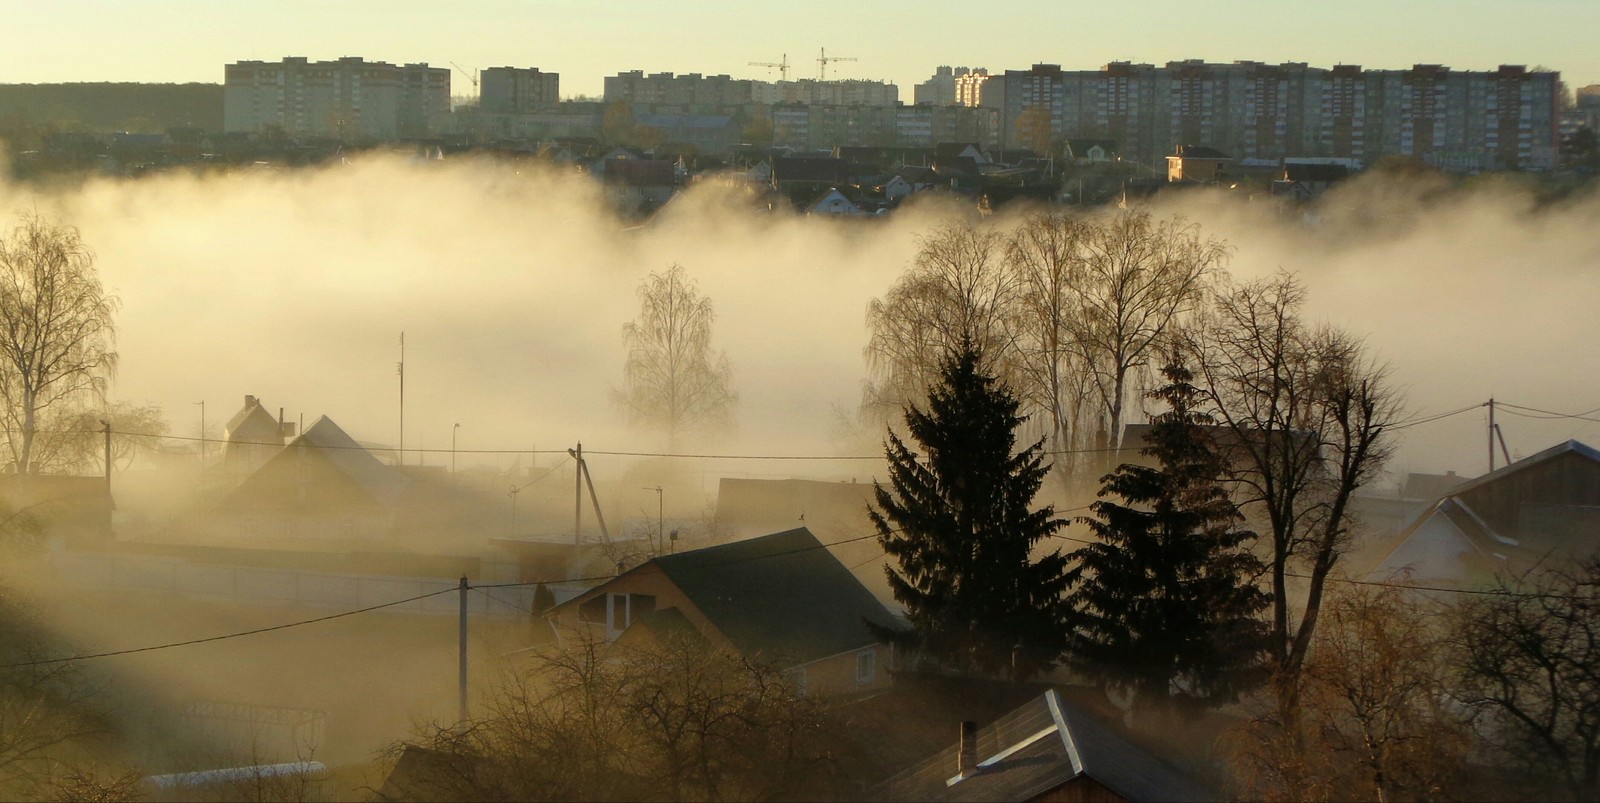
(866, 667)
(622, 610)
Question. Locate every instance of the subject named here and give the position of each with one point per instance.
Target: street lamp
(454, 428)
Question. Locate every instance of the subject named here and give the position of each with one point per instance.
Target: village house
(252, 436)
(322, 483)
(1197, 163)
(1049, 749)
(1543, 510)
(781, 598)
(1091, 151)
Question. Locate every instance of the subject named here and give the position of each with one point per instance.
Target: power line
(239, 634)
(696, 456)
(1427, 419)
(369, 609)
(1547, 414)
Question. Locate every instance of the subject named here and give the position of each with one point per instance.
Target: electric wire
(455, 588)
(1534, 412)
(1416, 421)
(225, 637)
(1428, 419)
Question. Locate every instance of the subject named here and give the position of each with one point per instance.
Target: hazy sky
(190, 40)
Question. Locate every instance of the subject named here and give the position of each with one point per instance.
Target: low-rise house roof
(322, 467)
(640, 172)
(1314, 172)
(1429, 487)
(784, 596)
(817, 170)
(1047, 749)
(1199, 152)
(1083, 149)
(1542, 509)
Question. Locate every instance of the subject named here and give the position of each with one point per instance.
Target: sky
(902, 42)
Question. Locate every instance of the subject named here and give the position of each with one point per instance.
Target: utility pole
(454, 428)
(402, 370)
(107, 431)
(577, 495)
(202, 442)
(1491, 434)
(461, 709)
(661, 520)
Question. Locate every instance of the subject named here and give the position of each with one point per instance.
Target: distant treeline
(107, 107)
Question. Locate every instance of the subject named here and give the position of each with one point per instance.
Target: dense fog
(512, 285)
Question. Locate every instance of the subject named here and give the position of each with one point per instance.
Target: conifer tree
(957, 520)
(1164, 606)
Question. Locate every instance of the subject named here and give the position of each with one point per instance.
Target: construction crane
(783, 66)
(822, 61)
(471, 76)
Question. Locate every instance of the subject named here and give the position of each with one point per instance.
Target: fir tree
(958, 523)
(1165, 605)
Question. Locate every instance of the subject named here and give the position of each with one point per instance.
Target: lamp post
(454, 428)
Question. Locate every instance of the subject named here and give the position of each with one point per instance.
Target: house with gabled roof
(323, 483)
(1049, 749)
(1091, 151)
(1197, 163)
(782, 598)
(1543, 510)
(946, 151)
(836, 202)
(252, 437)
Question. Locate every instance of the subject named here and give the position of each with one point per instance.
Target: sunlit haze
(512, 290)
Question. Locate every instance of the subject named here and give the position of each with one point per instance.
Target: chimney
(967, 756)
(250, 401)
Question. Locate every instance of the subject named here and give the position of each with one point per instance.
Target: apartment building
(517, 90)
(350, 98)
(694, 93)
(951, 86)
(816, 127)
(1501, 119)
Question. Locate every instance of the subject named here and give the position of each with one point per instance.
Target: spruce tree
(958, 524)
(1165, 605)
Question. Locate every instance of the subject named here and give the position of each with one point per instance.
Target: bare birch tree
(57, 339)
(1043, 257)
(1308, 414)
(672, 379)
(1134, 280)
(1097, 299)
(956, 292)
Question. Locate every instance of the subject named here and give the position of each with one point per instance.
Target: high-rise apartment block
(347, 98)
(956, 86)
(516, 90)
(1501, 119)
(816, 126)
(704, 94)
